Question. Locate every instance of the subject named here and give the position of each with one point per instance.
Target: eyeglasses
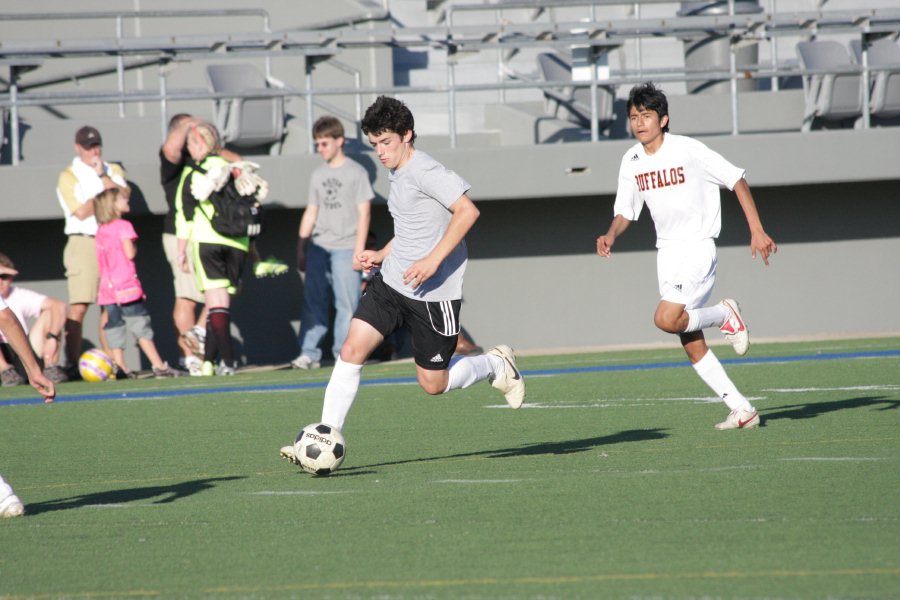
(7, 277)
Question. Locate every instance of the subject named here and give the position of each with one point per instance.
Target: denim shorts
(123, 318)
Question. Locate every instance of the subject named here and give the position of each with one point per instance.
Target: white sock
(340, 393)
(710, 371)
(709, 316)
(472, 369)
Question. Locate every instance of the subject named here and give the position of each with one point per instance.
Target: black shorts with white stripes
(433, 326)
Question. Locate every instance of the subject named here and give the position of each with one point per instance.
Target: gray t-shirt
(421, 193)
(337, 191)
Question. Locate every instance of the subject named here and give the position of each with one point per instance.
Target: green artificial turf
(607, 484)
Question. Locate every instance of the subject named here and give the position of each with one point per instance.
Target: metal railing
(118, 17)
(318, 46)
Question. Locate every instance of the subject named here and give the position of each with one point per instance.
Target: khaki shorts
(185, 283)
(80, 261)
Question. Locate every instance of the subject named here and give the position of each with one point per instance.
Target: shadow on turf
(164, 493)
(814, 409)
(563, 447)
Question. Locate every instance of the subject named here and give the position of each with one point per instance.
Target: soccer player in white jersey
(10, 505)
(678, 178)
(420, 278)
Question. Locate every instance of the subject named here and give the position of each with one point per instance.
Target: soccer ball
(95, 365)
(320, 448)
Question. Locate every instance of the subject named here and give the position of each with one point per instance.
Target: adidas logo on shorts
(437, 358)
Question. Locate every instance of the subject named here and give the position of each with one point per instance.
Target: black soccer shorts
(433, 326)
(220, 267)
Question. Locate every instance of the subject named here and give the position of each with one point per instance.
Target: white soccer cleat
(740, 419)
(735, 329)
(10, 505)
(287, 453)
(510, 382)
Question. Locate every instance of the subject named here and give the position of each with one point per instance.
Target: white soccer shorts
(687, 272)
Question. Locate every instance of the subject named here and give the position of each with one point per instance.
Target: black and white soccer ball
(319, 448)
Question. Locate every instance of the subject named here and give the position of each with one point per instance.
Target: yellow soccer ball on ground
(95, 365)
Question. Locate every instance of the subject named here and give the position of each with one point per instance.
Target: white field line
(849, 388)
(477, 481)
(623, 402)
(834, 458)
(121, 505)
(298, 493)
(677, 471)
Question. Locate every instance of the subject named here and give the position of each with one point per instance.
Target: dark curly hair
(649, 97)
(388, 114)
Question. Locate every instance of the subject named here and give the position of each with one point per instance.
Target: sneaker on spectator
(193, 365)
(305, 362)
(56, 374)
(164, 371)
(123, 374)
(224, 369)
(11, 377)
(73, 373)
(271, 267)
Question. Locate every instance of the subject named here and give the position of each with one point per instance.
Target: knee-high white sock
(711, 371)
(709, 316)
(472, 369)
(340, 393)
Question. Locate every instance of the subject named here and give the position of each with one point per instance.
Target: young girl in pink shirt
(120, 289)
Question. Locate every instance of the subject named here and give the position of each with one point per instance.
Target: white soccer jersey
(679, 184)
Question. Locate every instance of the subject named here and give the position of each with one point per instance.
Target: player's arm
(616, 228)
(16, 337)
(465, 213)
(759, 239)
(363, 219)
(304, 234)
(369, 259)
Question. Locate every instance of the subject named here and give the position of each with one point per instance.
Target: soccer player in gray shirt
(421, 277)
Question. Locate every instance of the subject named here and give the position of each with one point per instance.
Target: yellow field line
(485, 581)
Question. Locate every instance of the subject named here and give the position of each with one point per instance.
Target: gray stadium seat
(576, 99)
(246, 122)
(884, 63)
(832, 96)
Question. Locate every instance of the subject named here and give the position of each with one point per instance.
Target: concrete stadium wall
(534, 281)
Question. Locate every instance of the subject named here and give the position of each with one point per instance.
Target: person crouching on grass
(421, 277)
(120, 289)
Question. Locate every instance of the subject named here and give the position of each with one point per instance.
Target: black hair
(389, 114)
(649, 97)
